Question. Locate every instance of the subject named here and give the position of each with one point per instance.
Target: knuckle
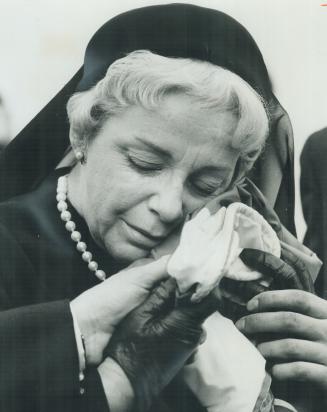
(248, 323)
(291, 349)
(323, 329)
(300, 302)
(290, 320)
(266, 299)
(300, 372)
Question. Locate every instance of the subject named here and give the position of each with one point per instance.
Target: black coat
(314, 200)
(40, 271)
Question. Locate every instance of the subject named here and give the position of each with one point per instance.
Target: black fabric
(28, 334)
(40, 271)
(314, 201)
(175, 30)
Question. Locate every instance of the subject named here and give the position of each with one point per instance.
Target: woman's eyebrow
(154, 148)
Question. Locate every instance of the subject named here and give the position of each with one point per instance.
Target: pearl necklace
(62, 206)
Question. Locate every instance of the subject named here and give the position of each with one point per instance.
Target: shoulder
(313, 156)
(31, 212)
(316, 143)
(36, 252)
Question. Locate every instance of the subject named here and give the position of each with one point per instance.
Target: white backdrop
(42, 44)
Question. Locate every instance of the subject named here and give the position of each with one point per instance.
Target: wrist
(80, 343)
(94, 339)
(117, 387)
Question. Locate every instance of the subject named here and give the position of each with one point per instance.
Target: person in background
(313, 186)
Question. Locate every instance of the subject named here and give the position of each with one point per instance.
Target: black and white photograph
(163, 206)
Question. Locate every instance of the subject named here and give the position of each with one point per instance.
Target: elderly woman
(158, 129)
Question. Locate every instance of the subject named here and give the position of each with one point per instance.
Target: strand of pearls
(62, 206)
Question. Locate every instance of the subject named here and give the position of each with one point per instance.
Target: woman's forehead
(208, 155)
(175, 133)
(178, 119)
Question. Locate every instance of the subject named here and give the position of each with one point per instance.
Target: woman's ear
(79, 146)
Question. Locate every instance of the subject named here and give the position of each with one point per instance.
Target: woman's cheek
(146, 184)
(130, 189)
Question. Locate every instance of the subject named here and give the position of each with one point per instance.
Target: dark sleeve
(39, 368)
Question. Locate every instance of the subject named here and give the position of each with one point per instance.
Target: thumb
(200, 311)
(162, 299)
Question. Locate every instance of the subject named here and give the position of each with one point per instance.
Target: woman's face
(146, 170)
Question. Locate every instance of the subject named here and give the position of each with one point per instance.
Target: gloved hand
(154, 341)
(287, 272)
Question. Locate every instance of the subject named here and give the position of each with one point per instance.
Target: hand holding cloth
(153, 342)
(219, 375)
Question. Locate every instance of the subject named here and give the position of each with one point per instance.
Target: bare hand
(117, 387)
(99, 309)
(291, 326)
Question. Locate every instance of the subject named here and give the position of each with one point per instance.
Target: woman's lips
(142, 237)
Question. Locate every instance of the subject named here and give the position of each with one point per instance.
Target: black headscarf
(175, 30)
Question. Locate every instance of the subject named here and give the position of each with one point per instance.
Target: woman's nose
(167, 202)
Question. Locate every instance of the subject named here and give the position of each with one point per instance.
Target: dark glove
(155, 340)
(287, 272)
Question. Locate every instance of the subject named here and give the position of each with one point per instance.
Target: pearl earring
(80, 156)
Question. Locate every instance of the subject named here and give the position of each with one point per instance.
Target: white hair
(144, 78)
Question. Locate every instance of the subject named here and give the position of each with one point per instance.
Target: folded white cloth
(227, 373)
(210, 246)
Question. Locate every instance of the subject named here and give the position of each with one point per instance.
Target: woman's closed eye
(200, 185)
(145, 165)
(207, 186)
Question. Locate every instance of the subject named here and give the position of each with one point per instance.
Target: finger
(302, 372)
(150, 274)
(287, 323)
(203, 309)
(284, 276)
(294, 350)
(289, 300)
(243, 289)
(301, 269)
